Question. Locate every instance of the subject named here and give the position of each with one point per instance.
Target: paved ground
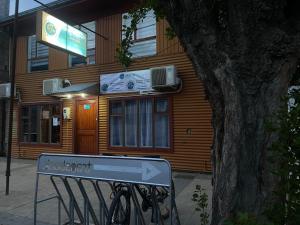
(17, 208)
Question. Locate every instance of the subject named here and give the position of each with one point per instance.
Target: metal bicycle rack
(81, 177)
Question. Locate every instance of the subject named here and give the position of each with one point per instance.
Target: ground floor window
(140, 123)
(40, 124)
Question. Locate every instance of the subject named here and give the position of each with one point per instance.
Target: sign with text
(111, 168)
(123, 82)
(56, 33)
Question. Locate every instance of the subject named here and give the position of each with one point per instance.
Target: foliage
(243, 219)
(123, 53)
(170, 33)
(201, 200)
(285, 158)
(286, 162)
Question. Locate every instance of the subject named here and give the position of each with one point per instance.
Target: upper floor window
(40, 124)
(37, 55)
(144, 38)
(140, 123)
(91, 43)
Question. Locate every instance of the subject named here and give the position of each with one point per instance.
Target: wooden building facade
(189, 113)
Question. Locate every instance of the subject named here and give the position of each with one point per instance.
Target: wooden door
(86, 127)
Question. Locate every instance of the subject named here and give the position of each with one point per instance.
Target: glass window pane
(162, 105)
(77, 60)
(31, 47)
(162, 131)
(37, 50)
(34, 128)
(147, 27)
(90, 35)
(41, 123)
(25, 112)
(126, 21)
(91, 56)
(91, 45)
(55, 130)
(25, 130)
(42, 50)
(146, 123)
(45, 130)
(38, 64)
(143, 48)
(116, 108)
(46, 114)
(130, 123)
(56, 110)
(116, 131)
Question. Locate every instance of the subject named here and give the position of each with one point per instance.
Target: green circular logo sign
(50, 28)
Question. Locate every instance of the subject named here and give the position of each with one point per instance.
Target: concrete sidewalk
(17, 208)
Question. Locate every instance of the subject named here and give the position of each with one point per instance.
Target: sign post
(131, 172)
(12, 95)
(109, 168)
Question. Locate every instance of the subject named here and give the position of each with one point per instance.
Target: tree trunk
(241, 179)
(245, 57)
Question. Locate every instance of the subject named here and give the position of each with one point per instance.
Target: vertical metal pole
(71, 210)
(59, 211)
(3, 125)
(86, 212)
(12, 93)
(137, 205)
(35, 199)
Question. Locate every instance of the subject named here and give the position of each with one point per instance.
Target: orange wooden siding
(164, 45)
(21, 60)
(191, 112)
(111, 27)
(57, 59)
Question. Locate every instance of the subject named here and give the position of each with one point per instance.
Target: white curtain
(131, 123)
(162, 131)
(162, 135)
(146, 123)
(116, 124)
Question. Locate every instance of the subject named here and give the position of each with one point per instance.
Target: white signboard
(112, 168)
(56, 33)
(133, 81)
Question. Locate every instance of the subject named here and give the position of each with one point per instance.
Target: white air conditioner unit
(5, 90)
(52, 86)
(164, 78)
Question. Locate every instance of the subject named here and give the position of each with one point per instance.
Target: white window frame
(149, 41)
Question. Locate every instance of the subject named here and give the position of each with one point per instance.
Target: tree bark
(245, 53)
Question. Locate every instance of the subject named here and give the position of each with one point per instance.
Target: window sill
(37, 145)
(37, 71)
(81, 65)
(141, 150)
(143, 56)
